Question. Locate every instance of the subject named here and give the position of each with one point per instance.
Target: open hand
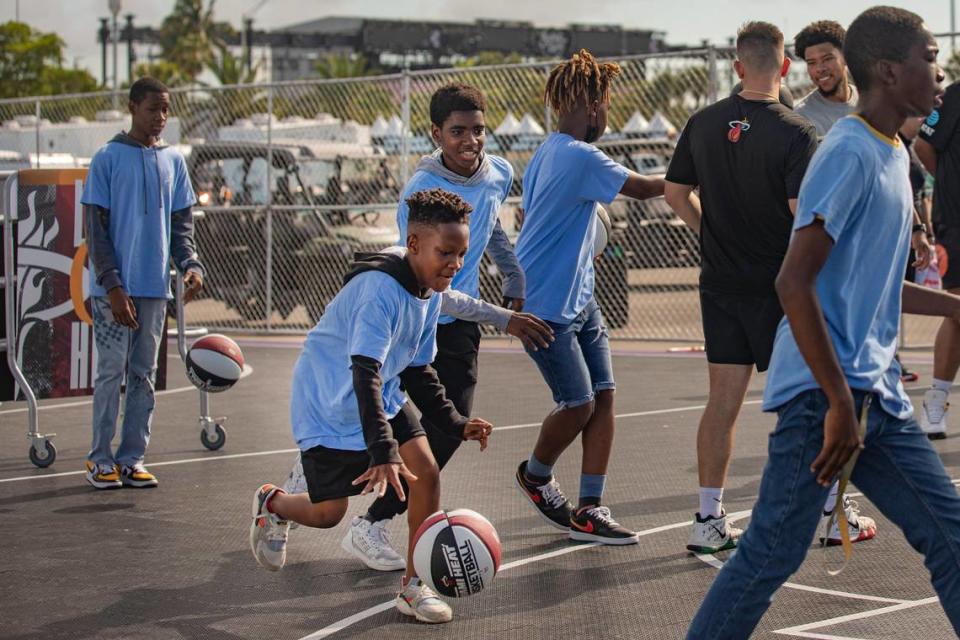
(378, 476)
(478, 429)
(193, 282)
(531, 330)
(841, 438)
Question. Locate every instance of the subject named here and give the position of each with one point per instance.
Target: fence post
(37, 129)
(713, 82)
(269, 230)
(405, 138)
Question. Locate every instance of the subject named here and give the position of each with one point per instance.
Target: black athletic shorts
(330, 472)
(948, 237)
(739, 329)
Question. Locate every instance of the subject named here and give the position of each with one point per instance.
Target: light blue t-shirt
(858, 183)
(486, 198)
(372, 316)
(141, 186)
(562, 185)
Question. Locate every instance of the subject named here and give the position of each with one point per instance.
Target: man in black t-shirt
(747, 154)
(938, 147)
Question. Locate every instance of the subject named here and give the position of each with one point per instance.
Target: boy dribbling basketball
(356, 431)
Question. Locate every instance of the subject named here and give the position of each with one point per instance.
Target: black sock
(588, 501)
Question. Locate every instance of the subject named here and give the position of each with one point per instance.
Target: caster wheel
(213, 443)
(45, 458)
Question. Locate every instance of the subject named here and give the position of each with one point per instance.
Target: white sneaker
(711, 535)
(861, 527)
(370, 542)
(418, 600)
(933, 414)
(268, 533)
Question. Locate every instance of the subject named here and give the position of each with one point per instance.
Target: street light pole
(953, 27)
(115, 6)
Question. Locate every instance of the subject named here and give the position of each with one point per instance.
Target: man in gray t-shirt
(820, 45)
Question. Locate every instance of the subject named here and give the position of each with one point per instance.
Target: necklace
(761, 93)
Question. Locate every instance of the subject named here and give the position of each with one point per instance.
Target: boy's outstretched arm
(500, 250)
(642, 187)
(532, 331)
(386, 466)
(796, 287)
(424, 388)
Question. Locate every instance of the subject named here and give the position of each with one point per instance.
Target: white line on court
(340, 625)
(214, 457)
(247, 370)
(800, 630)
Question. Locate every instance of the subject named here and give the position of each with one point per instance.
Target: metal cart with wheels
(212, 434)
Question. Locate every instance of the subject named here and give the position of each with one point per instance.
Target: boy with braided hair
(565, 180)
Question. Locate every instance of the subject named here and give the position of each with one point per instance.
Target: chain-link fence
(293, 178)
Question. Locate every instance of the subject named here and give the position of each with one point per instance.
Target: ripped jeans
(130, 355)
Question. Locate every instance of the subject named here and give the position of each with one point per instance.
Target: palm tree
(228, 69)
(189, 36)
(342, 66)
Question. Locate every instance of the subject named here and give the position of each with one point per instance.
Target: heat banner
(54, 344)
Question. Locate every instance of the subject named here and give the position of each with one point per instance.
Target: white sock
(941, 385)
(711, 502)
(832, 498)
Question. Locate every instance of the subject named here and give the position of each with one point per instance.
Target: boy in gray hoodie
(137, 201)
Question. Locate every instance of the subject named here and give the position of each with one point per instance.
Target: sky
(684, 21)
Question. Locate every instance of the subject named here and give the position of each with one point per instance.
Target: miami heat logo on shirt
(737, 127)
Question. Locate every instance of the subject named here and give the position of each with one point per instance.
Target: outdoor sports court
(174, 562)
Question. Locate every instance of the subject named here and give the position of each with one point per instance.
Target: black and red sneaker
(547, 499)
(594, 523)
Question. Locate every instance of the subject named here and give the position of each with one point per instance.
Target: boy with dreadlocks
(565, 180)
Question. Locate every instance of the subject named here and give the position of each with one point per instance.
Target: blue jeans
(898, 470)
(134, 352)
(577, 364)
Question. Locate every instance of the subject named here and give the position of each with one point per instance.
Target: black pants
(456, 365)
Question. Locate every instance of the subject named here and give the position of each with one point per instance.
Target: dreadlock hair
(819, 32)
(577, 81)
(144, 86)
(880, 33)
(437, 206)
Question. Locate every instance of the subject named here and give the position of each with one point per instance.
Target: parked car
(324, 201)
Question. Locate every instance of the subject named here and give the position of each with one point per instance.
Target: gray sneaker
(268, 533)
(370, 542)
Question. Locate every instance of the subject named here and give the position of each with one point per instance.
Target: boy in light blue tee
(137, 202)
(562, 186)
(834, 381)
(356, 432)
(859, 294)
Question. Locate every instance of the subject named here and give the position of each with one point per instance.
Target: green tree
(190, 37)
(168, 73)
(228, 69)
(334, 65)
(486, 58)
(31, 63)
